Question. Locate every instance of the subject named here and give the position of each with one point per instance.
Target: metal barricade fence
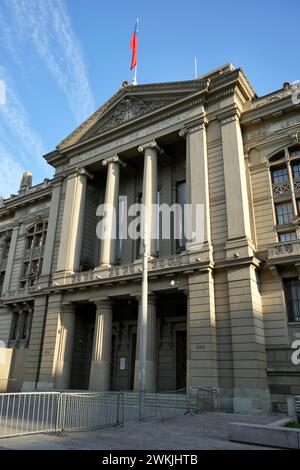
(37, 412)
(88, 411)
(28, 413)
(131, 405)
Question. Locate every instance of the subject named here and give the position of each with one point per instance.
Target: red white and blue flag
(133, 46)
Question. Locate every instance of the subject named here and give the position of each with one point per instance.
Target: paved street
(204, 431)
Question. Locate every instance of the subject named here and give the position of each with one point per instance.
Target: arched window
(35, 238)
(285, 180)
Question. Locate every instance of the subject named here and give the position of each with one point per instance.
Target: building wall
(239, 338)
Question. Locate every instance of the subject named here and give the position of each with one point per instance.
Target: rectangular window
(296, 171)
(24, 325)
(181, 200)
(1, 281)
(15, 326)
(284, 212)
(292, 297)
(287, 237)
(280, 175)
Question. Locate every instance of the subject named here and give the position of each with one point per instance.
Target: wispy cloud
(46, 26)
(10, 173)
(21, 148)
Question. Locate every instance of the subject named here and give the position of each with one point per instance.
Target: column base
(150, 385)
(62, 375)
(100, 376)
(255, 401)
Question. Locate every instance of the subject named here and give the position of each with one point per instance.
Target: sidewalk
(205, 431)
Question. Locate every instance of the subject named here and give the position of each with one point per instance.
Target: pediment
(131, 103)
(129, 108)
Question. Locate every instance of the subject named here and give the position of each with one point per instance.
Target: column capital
(194, 126)
(229, 114)
(152, 144)
(103, 302)
(113, 159)
(77, 171)
(68, 307)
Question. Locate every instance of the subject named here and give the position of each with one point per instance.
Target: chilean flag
(133, 46)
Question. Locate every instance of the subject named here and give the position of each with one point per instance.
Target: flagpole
(196, 68)
(134, 81)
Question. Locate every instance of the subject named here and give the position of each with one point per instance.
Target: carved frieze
(126, 110)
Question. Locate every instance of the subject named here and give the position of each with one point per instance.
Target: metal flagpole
(134, 81)
(196, 68)
(143, 323)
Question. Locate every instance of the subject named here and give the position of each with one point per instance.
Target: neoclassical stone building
(69, 305)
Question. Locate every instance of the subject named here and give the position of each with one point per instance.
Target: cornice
(228, 114)
(12, 204)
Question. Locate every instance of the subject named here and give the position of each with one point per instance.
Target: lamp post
(144, 318)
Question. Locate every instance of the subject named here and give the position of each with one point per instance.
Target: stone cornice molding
(152, 144)
(113, 159)
(227, 115)
(194, 126)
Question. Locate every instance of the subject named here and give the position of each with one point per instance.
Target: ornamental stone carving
(128, 109)
(283, 249)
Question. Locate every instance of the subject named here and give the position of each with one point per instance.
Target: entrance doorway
(181, 359)
(133, 337)
(83, 346)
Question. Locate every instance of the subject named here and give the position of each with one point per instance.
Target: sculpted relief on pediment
(128, 109)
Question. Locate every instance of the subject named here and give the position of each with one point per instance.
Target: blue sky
(61, 59)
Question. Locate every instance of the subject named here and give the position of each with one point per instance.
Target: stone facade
(70, 304)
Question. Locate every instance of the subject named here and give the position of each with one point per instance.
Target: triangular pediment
(129, 104)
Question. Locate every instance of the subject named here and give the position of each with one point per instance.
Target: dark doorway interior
(132, 359)
(83, 347)
(180, 359)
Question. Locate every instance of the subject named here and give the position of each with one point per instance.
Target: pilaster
(197, 185)
(237, 204)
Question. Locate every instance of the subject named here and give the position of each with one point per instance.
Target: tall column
(10, 259)
(51, 231)
(73, 217)
(101, 358)
(108, 242)
(197, 183)
(65, 347)
(237, 204)
(149, 198)
(151, 361)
